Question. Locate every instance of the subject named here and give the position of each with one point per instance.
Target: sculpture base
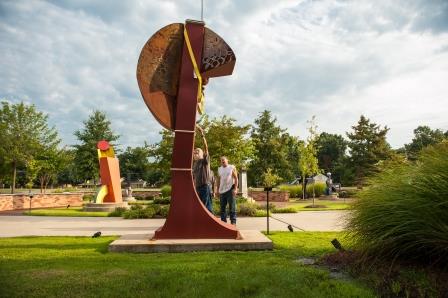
(104, 207)
(143, 243)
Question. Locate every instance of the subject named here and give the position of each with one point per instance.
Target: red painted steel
(188, 218)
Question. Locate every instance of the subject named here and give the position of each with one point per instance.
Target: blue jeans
(228, 198)
(204, 193)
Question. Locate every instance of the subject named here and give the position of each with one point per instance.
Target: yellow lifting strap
(200, 96)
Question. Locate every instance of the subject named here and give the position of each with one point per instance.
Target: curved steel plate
(158, 72)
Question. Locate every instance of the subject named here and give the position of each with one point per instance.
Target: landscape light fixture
(337, 244)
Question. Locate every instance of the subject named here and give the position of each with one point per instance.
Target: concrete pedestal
(104, 207)
(143, 243)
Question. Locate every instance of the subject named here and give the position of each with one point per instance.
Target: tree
(24, 132)
(96, 128)
(270, 149)
(308, 163)
(162, 153)
(368, 146)
(225, 138)
(331, 150)
(423, 137)
(49, 163)
(134, 162)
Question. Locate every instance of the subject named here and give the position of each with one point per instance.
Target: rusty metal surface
(218, 58)
(158, 72)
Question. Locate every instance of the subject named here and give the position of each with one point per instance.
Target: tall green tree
(96, 128)
(331, 150)
(225, 138)
(24, 131)
(270, 150)
(423, 137)
(368, 146)
(162, 152)
(134, 163)
(50, 161)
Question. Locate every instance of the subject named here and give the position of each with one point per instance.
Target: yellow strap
(200, 96)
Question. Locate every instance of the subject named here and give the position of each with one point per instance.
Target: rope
(200, 96)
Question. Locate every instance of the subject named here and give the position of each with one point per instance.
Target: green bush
(166, 191)
(118, 212)
(284, 210)
(164, 210)
(137, 211)
(164, 200)
(319, 189)
(263, 206)
(295, 191)
(247, 209)
(139, 198)
(88, 197)
(404, 211)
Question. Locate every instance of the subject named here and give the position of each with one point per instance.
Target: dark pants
(204, 193)
(228, 198)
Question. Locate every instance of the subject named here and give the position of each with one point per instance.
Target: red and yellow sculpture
(173, 66)
(110, 191)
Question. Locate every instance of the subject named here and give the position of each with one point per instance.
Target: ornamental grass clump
(403, 213)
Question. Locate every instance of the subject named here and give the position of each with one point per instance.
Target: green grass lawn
(331, 205)
(82, 267)
(72, 211)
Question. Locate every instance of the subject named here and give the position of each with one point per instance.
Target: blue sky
(337, 60)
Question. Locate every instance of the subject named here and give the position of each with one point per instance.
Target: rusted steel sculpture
(110, 191)
(172, 66)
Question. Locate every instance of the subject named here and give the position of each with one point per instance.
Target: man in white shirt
(228, 185)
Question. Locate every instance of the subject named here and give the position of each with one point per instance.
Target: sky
(387, 60)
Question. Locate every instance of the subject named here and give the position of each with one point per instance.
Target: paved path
(11, 226)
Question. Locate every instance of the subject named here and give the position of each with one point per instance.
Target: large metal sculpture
(173, 66)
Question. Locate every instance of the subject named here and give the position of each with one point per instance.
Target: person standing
(201, 173)
(228, 185)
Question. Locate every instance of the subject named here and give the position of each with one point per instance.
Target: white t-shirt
(225, 178)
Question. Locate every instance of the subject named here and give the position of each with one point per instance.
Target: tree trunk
(14, 173)
(303, 188)
(41, 184)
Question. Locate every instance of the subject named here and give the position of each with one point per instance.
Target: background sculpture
(110, 191)
(172, 66)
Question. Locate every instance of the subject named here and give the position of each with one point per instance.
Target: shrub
(88, 197)
(166, 191)
(240, 200)
(164, 210)
(404, 211)
(139, 198)
(263, 206)
(247, 209)
(137, 211)
(118, 212)
(165, 200)
(319, 189)
(295, 191)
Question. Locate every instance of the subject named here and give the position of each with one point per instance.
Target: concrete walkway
(12, 226)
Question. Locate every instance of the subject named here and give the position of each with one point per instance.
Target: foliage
(403, 212)
(295, 191)
(274, 149)
(368, 146)
(118, 212)
(50, 162)
(269, 179)
(163, 200)
(331, 150)
(308, 163)
(317, 188)
(134, 163)
(166, 191)
(137, 211)
(246, 209)
(96, 128)
(225, 138)
(24, 133)
(423, 137)
(162, 152)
